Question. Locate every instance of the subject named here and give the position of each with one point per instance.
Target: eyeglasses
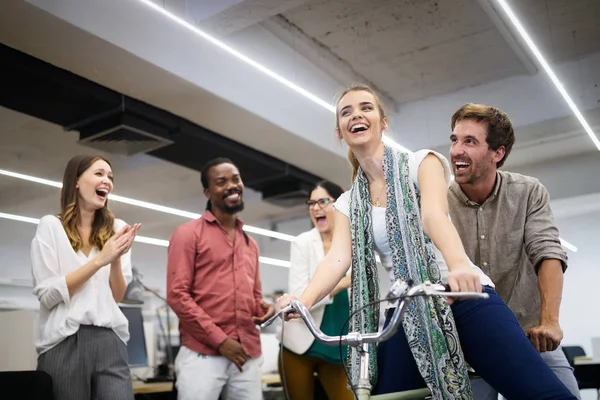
(321, 202)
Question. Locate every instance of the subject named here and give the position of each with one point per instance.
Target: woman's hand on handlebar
(285, 301)
(464, 279)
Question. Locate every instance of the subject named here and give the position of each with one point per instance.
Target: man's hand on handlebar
(283, 302)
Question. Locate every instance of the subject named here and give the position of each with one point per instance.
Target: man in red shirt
(213, 285)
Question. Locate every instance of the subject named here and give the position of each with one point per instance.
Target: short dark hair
(206, 169)
(500, 131)
(333, 189)
(212, 163)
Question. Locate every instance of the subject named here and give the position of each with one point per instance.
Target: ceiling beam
(322, 56)
(244, 14)
(516, 44)
(177, 7)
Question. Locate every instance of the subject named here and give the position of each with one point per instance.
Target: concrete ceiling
(409, 50)
(421, 33)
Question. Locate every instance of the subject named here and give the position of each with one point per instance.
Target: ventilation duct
(111, 122)
(121, 133)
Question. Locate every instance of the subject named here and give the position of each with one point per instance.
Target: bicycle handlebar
(399, 291)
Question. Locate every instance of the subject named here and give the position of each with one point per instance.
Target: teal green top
(334, 316)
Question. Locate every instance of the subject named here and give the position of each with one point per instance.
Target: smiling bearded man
(213, 285)
(507, 228)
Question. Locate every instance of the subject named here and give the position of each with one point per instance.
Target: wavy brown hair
(103, 223)
(357, 88)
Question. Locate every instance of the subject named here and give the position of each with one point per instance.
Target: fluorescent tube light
(147, 240)
(149, 206)
(536, 52)
(289, 84)
(164, 209)
(240, 56)
(568, 245)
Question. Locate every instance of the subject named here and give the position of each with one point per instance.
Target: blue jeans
(493, 344)
(556, 360)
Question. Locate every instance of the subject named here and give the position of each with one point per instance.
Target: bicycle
(400, 290)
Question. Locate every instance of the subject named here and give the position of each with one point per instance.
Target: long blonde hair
(103, 224)
(357, 88)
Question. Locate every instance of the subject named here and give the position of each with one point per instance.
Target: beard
(470, 178)
(234, 209)
(477, 171)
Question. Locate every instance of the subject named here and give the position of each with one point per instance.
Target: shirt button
(482, 236)
(485, 264)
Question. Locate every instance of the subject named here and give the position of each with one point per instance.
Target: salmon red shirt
(213, 285)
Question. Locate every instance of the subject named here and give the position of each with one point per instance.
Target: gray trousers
(91, 364)
(557, 362)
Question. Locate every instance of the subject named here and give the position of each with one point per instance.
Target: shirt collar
(455, 188)
(208, 216)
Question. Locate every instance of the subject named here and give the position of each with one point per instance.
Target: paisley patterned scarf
(428, 322)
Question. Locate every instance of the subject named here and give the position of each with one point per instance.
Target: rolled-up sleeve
(126, 267)
(542, 241)
(49, 286)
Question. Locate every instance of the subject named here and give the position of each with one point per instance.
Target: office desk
(587, 372)
(272, 389)
(585, 361)
(271, 379)
(140, 387)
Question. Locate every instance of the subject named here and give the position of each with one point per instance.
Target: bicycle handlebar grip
(448, 289)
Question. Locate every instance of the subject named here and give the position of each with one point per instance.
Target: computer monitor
(596, 348)
(136, 347)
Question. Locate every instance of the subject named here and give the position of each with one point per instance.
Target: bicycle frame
(399, 290)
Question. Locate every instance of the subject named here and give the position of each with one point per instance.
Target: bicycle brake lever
(277, 315)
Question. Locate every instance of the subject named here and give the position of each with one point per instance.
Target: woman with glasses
(303, 356)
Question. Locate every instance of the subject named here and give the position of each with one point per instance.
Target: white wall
(580, 307)
(580, 310)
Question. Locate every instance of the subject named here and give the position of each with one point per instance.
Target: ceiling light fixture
(568, 245)
(240, 56)
(147, 240)
(534, 49)
(175, 211)
(149, 206)
(178, 212)
(289, 84)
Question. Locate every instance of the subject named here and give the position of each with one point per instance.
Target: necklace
(377, 203)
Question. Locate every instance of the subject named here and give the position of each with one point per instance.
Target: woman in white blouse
(81, 265)
(302, 355)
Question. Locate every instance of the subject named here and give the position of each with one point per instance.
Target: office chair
(27, 385)
(587, 376)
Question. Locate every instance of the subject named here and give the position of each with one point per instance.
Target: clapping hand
(118, 244)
